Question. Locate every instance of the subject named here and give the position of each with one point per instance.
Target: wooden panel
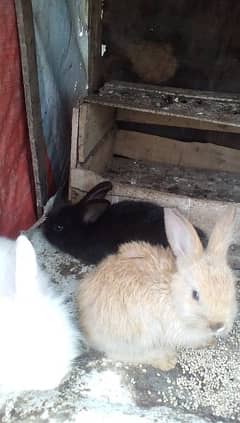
(187, 181)
(74, 137)
(32, 100)
(138, 146)
(102, 154)
(74, 144)
(87, 174)
(212, 110)
(94, 44)
(169, 120)
(202, 213)
(83, 180)
(95, 121)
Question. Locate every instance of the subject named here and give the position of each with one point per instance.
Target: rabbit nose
(217, 327)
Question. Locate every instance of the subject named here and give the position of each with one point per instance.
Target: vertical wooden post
(32, 100)
(94, 44)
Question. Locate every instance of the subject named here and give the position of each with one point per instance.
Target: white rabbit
(144, 302)
(38, 339)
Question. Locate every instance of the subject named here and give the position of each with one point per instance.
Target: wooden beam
(32, 100)
(139, 146)
(196, 109)
(98, 160)
(74, 137)
(88, 173)
(94, 44)
(202, 213)
(94, 122)
(171, 120)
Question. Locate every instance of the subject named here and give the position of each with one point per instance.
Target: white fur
(38, 339)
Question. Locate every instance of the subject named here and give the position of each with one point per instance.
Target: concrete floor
(204, 387)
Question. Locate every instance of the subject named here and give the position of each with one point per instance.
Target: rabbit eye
(195, 295)
(58, 228)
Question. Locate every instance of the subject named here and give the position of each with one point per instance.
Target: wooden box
(200, 179)
(178, 147)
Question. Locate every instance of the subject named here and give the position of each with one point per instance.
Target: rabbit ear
(26, 267)
(55, 203)
(99, 191)
(94, 209)
(181, 235)
(222, 234)
(58, 200)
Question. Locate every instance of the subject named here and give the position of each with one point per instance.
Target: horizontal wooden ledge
(157, 89)
(201, 212)
(195, 109)
(187, 181)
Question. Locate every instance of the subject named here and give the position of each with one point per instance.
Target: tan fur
(137, 305)
(157, 63)
(221, 236)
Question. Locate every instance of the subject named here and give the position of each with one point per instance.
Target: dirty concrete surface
(204, 387)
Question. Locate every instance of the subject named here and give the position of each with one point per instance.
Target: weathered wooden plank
(189, 182)
(94, 122)
(88, 173)
(200, 110)
(139, 146)
(121, 87)
(94, 44)
(97, 161)
(125, 115)
(74, 137)
(32, 100)
(74, 145)
(202, 213)
(83, 180)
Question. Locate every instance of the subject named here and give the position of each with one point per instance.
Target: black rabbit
(94, 228)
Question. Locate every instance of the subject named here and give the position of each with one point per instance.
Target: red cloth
(17, 210)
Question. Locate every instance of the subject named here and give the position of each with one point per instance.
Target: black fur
(93, 228)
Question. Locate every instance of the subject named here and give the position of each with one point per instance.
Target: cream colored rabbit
(142, 303)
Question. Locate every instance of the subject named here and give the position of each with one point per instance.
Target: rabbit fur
(142, 303)
(38, 339)
(94, 228)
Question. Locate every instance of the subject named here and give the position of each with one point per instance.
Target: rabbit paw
(211, 342)
(167, 362)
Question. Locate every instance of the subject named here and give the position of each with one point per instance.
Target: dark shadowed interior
(182, 43)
